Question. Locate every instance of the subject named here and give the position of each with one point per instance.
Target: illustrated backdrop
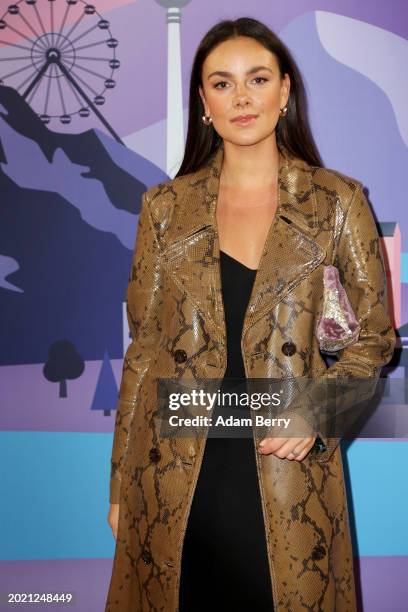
(93, 111)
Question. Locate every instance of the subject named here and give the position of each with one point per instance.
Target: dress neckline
(238, 262)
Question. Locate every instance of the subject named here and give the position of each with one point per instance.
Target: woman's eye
(225, 82)
(220, 83)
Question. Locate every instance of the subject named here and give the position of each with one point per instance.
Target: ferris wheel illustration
(62, 58)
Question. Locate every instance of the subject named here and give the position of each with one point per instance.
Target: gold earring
(283, 111)
(206, 119)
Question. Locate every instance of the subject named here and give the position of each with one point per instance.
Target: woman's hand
(291, 448)
(284, 447)
(113, 519)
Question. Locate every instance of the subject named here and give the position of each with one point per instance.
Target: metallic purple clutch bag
(337, 326)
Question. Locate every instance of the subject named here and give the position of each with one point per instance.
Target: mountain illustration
(69, 210)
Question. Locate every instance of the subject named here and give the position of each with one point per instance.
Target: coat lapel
(192, 253)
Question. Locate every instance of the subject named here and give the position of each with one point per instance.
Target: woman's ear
(200, 91)
(285, 89)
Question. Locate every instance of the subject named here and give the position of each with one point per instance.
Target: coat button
(147, 557)
(289, 348)
(318, 552)
(191, 451)
(154, 454)
(180, 356)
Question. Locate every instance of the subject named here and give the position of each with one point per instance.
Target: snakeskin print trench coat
(176, 318)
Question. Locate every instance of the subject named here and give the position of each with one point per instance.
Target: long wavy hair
(292, 131)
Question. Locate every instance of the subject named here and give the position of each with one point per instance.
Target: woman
(227, 281)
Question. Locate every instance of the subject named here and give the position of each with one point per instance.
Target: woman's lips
(244, 120)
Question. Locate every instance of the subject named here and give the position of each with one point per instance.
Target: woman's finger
(302, 451)
(271, 444)
(293, 444)
(280, 447)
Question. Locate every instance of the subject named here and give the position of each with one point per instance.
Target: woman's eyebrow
(229, 74)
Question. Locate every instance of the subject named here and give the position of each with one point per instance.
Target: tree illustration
(63, 363)
(106, 392)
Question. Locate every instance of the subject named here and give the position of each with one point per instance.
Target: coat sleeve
(143, 307)
(360, 261)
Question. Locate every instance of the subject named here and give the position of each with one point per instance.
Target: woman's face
(241, 77)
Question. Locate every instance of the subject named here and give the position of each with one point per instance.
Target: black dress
(224, 561)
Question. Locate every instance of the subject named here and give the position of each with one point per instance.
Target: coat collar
(290, 253)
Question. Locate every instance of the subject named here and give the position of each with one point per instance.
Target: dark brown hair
(292, 131)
